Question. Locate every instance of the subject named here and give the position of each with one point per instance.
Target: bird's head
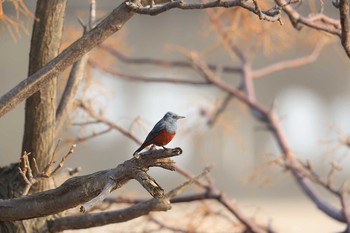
(172, 116)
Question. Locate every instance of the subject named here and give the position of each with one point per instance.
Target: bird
(162, 133)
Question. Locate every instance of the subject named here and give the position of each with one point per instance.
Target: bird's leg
(165, 148)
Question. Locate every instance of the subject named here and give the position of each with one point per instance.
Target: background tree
(24, 185)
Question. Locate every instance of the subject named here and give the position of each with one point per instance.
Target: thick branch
(79, 190)
(74, 52)
(39, 130)
(100, 219)
(137, 210)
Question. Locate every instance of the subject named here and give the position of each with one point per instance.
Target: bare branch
(78, 190)
(271, 15)
(120, 75)
(344, 21)
(74, 52)
(137, 210)
(161, 62)
(102, 119)
(104, 193)
(209, 193)
(88, 137)
(344, 200)
(271, 119)
(75, 76)
(327, 24)
(297, 62)
(109, 217)
(60, 165)
(214, 116)
(26, 171)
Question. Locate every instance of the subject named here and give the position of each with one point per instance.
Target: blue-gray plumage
(162, 133)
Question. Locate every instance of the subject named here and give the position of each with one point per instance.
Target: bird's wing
(155, 131)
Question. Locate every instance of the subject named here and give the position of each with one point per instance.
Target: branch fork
(137, 169)
(31, 177)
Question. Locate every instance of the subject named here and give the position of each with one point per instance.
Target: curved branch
(101, 219)
(272, 121)
(297, 62)
(79, 190)
(326, 208)
(137, 210)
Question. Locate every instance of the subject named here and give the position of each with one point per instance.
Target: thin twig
(297, 62)
(161, 62)
(128, 77)
(102, 119)
(60, 165)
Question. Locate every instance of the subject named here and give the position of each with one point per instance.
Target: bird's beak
(179, 117)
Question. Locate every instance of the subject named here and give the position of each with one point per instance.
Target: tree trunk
(40, 110)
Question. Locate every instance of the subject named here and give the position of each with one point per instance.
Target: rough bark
(39, 109)
(79, 190)
(11, 183)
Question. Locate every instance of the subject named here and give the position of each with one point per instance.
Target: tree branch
(344, 21)
(327, 24)
(137, 210)
(104, 120)
(120, 75)
(79, 190)
(272, 120)
(75, 76)
(161, 62)
(292, 63)
(109, 217)
(111, 24)
(271, 15)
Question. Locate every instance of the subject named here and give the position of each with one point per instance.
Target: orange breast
(163, 138)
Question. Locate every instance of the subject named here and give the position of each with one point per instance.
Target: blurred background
(312, 101)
